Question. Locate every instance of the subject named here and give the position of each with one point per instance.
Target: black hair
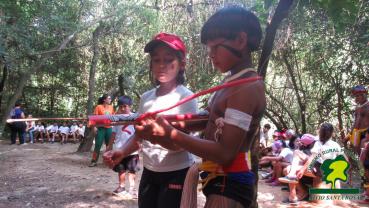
(267, 126)
(291, 142)
(17, 103)
(284, 145)
(125, 100)
(181, 74)
(101, 99)
(325, 132)
(229, 22)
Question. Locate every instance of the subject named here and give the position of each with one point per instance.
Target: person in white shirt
(80, 132)
(282, 160)
(47, 131)
(73, 131)
(128, 167)
(30, 129)
(53, 131)
(165, 165)
(298, 189)
(321, 147)
(264, 136)
(64, 132)
(39, 131)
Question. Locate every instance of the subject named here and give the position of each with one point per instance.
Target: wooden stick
(116, 120)
(134, 122)
(45, 119)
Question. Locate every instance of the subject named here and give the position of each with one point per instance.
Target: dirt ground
(54, 175)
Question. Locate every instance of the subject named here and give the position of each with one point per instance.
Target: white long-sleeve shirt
(155, 157)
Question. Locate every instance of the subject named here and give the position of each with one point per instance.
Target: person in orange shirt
(104, 107)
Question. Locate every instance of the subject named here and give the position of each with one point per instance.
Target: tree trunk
(121, 84)
(296, 88)
(281, 12)
(18, 92)
(86, 144)
(340, 101)
(3, 79)
(95, 59)
(52, 98)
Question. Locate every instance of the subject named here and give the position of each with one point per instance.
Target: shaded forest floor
(53, 175)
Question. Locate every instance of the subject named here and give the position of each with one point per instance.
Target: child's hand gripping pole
(108, 120)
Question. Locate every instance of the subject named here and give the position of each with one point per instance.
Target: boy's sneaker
(266, 175)
(92, 164)
(288, 179)
(125, 195)
(118, 190)
(290, 202)
(133, 193)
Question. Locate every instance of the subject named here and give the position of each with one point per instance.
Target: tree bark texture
(87, 143)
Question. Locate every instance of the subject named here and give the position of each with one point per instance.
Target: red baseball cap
(173, 41)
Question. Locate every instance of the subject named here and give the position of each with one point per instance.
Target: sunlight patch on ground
(265, 196)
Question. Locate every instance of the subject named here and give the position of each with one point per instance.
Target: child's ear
(241, 40)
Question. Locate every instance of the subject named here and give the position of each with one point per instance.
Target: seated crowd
(293, 160)
(52, 132)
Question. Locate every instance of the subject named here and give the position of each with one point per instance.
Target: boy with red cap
(165, 165)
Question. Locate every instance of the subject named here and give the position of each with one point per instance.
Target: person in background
(73, 131)
(298, 190)
(264, 136)
(64, 132)
(80, 132)
(39, 131)
(19, 127)
(52, 132)
(361, 118)
(104, 107)
(30, 129)
(128, 167)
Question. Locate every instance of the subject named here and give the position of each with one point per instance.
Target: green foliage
(325, 63)
(342, 13)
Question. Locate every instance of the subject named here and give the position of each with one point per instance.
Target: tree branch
(301, 103)
(283, 106)
(281, 12)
